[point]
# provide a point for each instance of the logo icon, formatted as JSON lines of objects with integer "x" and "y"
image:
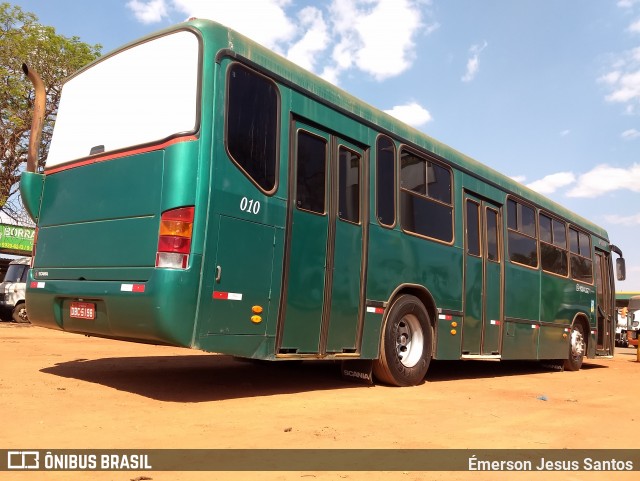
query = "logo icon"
{"x": 23, "y": 460}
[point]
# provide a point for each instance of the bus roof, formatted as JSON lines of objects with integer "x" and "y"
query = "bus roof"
{"x": 238, "y": 45}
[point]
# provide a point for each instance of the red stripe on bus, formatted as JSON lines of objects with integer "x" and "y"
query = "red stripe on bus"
{"x": 220, "y": 295}
{"x": 126, "y": 153}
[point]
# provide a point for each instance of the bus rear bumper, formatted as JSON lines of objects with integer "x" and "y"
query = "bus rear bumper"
{"x": 160, "y": 310}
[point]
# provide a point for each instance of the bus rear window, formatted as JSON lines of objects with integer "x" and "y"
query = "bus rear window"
{"x": 252, "y": 125}
{"x": 143, "y": 94}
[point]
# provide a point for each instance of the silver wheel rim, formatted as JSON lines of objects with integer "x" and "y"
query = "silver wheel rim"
{"x": 22, "y": 314}
{"x": 577, "y": 344}
{"x": 409, "y": 340}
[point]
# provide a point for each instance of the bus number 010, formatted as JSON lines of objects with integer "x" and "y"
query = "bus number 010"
{"x": 250, "y": 205}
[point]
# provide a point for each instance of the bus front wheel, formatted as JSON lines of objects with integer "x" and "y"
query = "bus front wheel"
{"x": 577, "y": 348}
{"x": 407, "y": 343}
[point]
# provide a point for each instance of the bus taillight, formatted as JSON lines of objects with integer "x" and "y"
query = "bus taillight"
{"x": 174, "y": 240}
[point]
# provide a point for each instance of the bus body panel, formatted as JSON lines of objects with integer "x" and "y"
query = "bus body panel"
{"x": 520, "y": 340}
{"x": 243, "y": 243}
{"x": 162, "y": 312}
{"x": 95, "y": 261}
{"x": 345, "y": 296}
{"x": 114, "y": 203}
{"x": 239, "y": 301}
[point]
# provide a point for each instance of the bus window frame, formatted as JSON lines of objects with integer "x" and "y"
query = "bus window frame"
{"x": 499, "y": 246}
{"x": 553, "y": 244}
{"x": 395, "y": 182}
{"x": 478, "y": 206}
{"x": 571, "y": 253}
{"x": 327, "y": 156}
{"x": 277, "y": 154}
{"x": 518, "y": 200}
{"x": 360, "y": 183}
{"x": 427, "y": 157}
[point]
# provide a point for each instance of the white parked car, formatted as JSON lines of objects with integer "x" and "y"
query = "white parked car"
{"x": 13, "y": 288}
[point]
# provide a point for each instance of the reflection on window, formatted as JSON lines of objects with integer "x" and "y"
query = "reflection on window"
{"x": 252, "y": 124}
{"x": 16, "y": 273}
{"x": 553, "y": 259}
{"x": 473, "y": 228}
{"x": 546, "y": 233}
{"x": 385, "y": 178}
{"x": 553, "y": 245}
{"x": 348, "y": 185}
{"x": 521, "y": 217}
{"x": 311, "y": 164}
{"x": 426, "y": 207}
{"x": 493, "y": 254}
{"x": 522, "y": 249}
{"x": 559, "y": 234}
{"x": 581, "y": 264}
{"x": 523, "y": 243}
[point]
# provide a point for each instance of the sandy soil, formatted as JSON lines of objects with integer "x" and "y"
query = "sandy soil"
{"x": 66, "y": 391}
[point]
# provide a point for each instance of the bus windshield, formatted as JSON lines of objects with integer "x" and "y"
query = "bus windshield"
{"x": 142, "y": 94}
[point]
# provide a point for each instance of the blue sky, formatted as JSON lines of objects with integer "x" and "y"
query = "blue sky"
{"x": 545, "y": 91}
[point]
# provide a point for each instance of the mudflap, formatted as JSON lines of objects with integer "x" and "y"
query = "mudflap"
{"x": 359, "y": 371}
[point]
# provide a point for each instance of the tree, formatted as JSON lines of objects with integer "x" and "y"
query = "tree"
{"x": 54, "y": 57}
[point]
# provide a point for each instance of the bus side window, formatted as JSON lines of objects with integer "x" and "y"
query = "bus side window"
{"x": 523, "y": 242}
{"x": 553, "y": 245}
{"x": 252, "y": 125}
{"x": 426, "y": 205}
{"x": 348, "y": 185}
{"x": 311, "y": 165}
{"x": 386, "y": 181}
{"x": 473, "y": 228}
{"x": 581, "y": 264}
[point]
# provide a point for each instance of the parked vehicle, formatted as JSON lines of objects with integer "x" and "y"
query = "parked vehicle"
{"x": 633, "y": 317}
{"x": 12, "y": 289}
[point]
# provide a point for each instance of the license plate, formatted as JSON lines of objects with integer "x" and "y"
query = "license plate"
{"x": 82, "y": 310}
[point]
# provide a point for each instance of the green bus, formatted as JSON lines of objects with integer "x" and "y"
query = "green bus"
{"x": 202, "y": 191}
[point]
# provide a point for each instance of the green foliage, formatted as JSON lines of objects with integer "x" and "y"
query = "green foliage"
{"x": 54, "y": 57}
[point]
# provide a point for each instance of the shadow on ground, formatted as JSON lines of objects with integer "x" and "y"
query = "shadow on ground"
{"x": 203, "y": 378}
{"x": 460, "y": 370}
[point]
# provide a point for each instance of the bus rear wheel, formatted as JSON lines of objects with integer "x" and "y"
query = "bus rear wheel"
{"x": 407, "y": 344}
{"x": 577, "y": 348}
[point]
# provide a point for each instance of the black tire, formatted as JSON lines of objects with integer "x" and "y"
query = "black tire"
{"x": 407, "y": 344}
{"x": 19, "y": 313}
{"x": 577, "y": 348}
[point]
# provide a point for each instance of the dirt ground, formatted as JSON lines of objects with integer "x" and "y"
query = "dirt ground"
{"x": 66, "y": 391}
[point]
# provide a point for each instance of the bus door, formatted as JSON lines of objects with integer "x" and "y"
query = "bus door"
{"x": 605, "y": 304}
{"x": 324, "y": 244}
{"x": 482, "y": 321}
